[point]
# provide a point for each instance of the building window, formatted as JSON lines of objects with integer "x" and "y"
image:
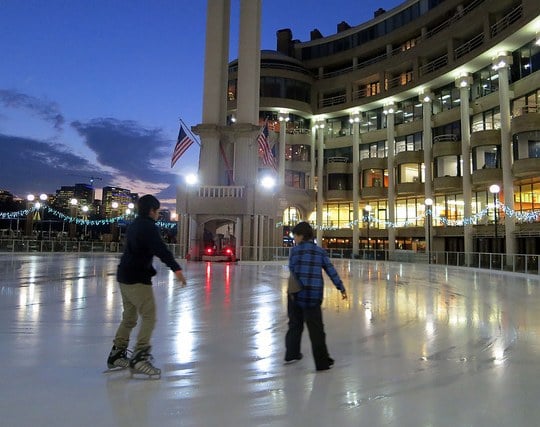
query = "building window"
{"x": 412, "y": 142}
{"x": 291, "y": 216}
{"x": 297, "y": 153}
{"x": 487, "y": 120}
{"x": 486, "y": 157}
{"x": 375, "y": 178}
{"x": 410, "y": 172}
{"x": 340, "y": 181}
{"x": 295, "y": 179}
{"x": 526, "y": 145}
{"x": 447, "y": 166}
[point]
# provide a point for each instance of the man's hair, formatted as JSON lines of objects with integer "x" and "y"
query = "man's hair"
{"x": 303, "y": 229}
{"x": 146, "y": 204}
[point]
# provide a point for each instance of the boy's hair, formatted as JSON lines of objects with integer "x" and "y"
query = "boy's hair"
{"x": 303, "y": 229}
{"x": 146, "y": 204}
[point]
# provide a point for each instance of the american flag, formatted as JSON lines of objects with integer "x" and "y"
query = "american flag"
{"x": 182, "y": 144}
{"x": 264, "y": 147}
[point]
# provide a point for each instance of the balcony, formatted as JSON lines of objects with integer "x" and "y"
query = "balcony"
{"x": 448, "y": 183}
{"x": 409, "y": 157}
{"x": 526, "y": 168}
{"x": 410, "y": 188}
{"x": 338, "y": 165}
{"x": 446, "y": 145}
{"x": 486, "y": 137}
{"x": 374, "y": 163}
{"x": 528, "y": 121}
{"x": 486, "y": 177}
{"x": 374, "y": 193}
{"x": 341, "y": 195}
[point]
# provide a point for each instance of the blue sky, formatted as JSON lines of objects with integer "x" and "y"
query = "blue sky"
{"x": 96, "y": 87}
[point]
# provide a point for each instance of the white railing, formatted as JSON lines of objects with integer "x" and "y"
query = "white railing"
{"x": 334, "y": 100}
{"x": 434, "y": 65}
{"x": 469, "y": 46}
{"x": 507, "y": 20}
{"x": 338, "y": 159}
{"x": 449, "y": 137}
{"x": 217, "y": 191}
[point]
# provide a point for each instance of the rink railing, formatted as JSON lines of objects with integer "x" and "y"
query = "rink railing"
{"x": 527, "y": 264}
{"x": 33, "y": 245}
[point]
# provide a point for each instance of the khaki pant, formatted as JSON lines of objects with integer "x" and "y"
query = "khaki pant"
{"x": 138, "y": 300}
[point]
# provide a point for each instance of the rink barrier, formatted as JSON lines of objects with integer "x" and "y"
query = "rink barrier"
{"x": 520, "y": 263}
{"x": 55, "y": 246}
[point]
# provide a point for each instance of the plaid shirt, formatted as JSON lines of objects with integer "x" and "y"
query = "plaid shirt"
{"x": 307, "y": 260}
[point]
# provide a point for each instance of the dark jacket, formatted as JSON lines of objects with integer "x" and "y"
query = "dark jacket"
{"x": 143, "y": 241}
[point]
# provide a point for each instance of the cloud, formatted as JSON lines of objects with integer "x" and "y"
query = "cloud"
{"x": 137, "y": 153}
{"x": 48, "y": 111}
{"x": 30, "y": 166}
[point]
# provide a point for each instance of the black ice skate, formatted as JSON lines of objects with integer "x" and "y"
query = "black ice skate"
{"x": 118, "y": 359}
{"x": 141, "y": 364}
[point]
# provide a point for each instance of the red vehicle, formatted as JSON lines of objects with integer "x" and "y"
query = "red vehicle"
{"x": 211, "y": 253}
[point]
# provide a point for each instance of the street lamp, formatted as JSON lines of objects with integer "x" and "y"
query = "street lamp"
{"x": 429, "y": 203}
{"x": 73, "y": 213}
{"x": 85, "y": 218}
{"x": 367, "y": 216}
{"x": 29, "y": 217}
{"x": 494, "y": 189}
{"x": 43, "y": 197}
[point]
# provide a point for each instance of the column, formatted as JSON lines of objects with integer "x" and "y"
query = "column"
{"x": 249, "y": 62}
{"x": 389, "y": 110}
{"x": 427, "y": 142}
{"x": 355, "y": 120}
{"x": 247, "y": 117}
{"x": 501, "y": 64}
{"x": 283, "y": 120}
{"x": 216, "y": 62}
{"x": 464, "y": 83}
{"x": 320, "y": 180}
{"x": 215, "y": 89}
{"x": 312, "y": 157}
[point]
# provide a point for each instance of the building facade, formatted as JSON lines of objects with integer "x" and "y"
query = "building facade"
{"x": 417, "y": 130}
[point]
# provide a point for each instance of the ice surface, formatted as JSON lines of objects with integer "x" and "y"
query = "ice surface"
{"x": 415, "y": 345}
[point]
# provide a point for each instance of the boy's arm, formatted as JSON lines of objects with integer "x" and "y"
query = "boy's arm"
{"x": 333, "y": 274}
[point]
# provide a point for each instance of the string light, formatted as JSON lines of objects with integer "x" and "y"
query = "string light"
{"x": 521, "y": 217}
{"x": 78, "y": 221}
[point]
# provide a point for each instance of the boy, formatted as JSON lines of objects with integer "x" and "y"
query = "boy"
{"x": 134, "y": 275}
{"x": 306, "y": 262}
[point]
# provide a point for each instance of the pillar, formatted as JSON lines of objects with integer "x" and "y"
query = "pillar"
{"x": 427, "y": 143}
{"x": 501, "y": 64}
{"x": 320, "y": 180}
{"x": 389, "y": 110}
{"x": 355, "y": 118}
{"x": 464, "y": 83}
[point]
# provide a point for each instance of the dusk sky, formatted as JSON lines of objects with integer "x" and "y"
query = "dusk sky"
{"x": 96, "y": 87}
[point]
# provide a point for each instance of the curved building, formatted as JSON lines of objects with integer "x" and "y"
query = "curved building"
{"x": 418, "y": 130}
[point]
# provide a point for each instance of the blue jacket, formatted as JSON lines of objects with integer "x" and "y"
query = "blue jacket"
{"x": 143, "y": 241}
{"x": 307, "y": 261}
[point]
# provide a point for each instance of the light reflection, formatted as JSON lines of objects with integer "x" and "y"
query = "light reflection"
{"x": 264, "y": 345}
{"x": 208, "y": 283}
{"x": 227, "y": 300}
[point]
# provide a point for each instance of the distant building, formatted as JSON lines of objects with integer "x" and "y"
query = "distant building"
{"x": 119, "y": 195}
{"x": 84, "y": 193}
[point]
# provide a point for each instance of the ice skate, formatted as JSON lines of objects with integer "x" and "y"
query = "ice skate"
{"x": 118, "y": 359}
{"x": 141, "y": 365}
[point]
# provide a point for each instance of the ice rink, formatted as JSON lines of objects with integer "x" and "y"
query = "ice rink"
{"x": 415, "y": 345}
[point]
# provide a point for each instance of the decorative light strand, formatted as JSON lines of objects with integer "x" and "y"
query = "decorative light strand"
{"x": 78, "y": 221}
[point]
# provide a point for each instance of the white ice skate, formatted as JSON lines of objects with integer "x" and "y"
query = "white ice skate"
{"x": 118, "y": 360}
{"x": 141, "y": 366}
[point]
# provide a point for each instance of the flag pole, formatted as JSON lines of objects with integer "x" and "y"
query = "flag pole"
{"x": 189, "y": 130}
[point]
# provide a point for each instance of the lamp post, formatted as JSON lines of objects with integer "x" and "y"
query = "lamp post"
{"x": 190, "y": 180}
{"x": 43, "y": 197}
{"x": 73, "y": 213}
{"x": 429, "y": 203}
{"x": 85, "y": 219}
{"x": 29, "y": 216}
{"x": 114, "y": 224}
{"x": 494, "y": 189}
{"x": 367, "y": 216}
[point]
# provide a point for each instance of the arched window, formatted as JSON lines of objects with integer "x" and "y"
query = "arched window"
{"x": 291, "y": 216}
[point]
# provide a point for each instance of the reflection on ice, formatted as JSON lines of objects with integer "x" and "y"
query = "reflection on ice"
{"x": 415, "y": 345}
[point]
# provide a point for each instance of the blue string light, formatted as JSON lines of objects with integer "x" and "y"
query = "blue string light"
{"x": 78, "y": 221}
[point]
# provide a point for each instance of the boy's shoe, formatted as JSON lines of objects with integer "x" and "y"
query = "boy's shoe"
{"x": 118, "y": 358}
{"x": 141, "y": 363}
{"x": 289, "y": 360}
{"x": 325, "y": 368}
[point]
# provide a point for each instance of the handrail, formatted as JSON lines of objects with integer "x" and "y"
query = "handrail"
{"x": 338, "y": 159}
{"x": 214, "y": 191}
{"x": 507, "y": 20}
{"x": 334, "y": 100}
{"x": 445, "y": 138}
{"x": 469, "y": 46}
{"x": 434, "y": 65}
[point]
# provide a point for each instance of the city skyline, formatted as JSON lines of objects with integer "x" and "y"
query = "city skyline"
{"x": 97, "y": 90}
